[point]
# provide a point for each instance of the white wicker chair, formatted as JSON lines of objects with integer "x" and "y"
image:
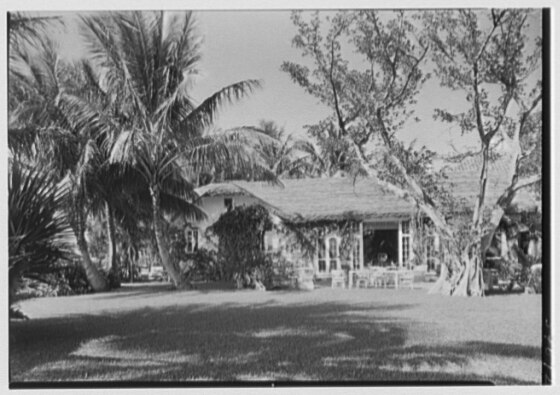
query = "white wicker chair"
{"x": 363, "y": 278}
{"x": 338, "y": 278}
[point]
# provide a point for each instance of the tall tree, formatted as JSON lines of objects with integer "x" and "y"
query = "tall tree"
{"x": 284, "y": 155}
{"x": 147, "y": 60}
{"x": 48, "y": 134}
{"x": 490, "y": 57}
{"x": 371, "y": 104}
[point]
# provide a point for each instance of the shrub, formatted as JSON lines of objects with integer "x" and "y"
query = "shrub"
{"x": 39, "y": 233}
{"x": 65, "y": 279}
{"x": 240, "y": 252}
{"x": 202, "y": 265}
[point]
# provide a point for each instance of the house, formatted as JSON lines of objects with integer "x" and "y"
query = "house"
{"x": 350, "y": 222}
{"x": 519, "y": 232}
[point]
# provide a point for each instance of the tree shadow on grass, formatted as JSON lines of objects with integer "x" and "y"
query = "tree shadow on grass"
{"x": 250, "y": 342}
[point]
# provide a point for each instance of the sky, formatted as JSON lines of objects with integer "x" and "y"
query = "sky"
{"x": 240, "y": 45}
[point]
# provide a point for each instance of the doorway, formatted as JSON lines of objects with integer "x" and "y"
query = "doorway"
{"x": 381, "y": 247}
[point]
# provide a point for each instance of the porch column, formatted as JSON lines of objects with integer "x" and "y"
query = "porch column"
{"x": 361, "y": 238}
{"x": 503, "y": 244}
{"x": 410, "y": 241}
{"x": 400, "y": 244}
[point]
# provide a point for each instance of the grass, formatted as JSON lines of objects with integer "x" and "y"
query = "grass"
{"x": 149, "y": 333}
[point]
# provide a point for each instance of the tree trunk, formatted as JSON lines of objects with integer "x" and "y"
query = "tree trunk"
{"x": 131, "y": 270}
{"x": 111, "y": 245}
{"x": 442, "y": 285}
{"x": 161, "y": 241}
{"x": 469, "y": 279}
{"x": 94, "y": 277}
{"x": 465, "y": 277}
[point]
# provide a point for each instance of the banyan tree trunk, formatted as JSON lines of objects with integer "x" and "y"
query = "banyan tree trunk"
{"x": 465, "y": 277}
{"x": 469, "y": 280}
{"x": 443, "y": 284}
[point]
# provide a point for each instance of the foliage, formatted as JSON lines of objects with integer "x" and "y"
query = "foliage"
{"x": 489, "y": 57}
{"x": 49, "y": 127}
{"x": 38, "y": 231}
{"x": 70, "y": 280}
{"x": 285, "y": 155}
{"x": 241, "y": 232}
{"x": 487, "y": 54}
{"x": 177, "y": 244}
{"x": 203, "y": 265}
{"x": 63, "y": 280}
{"x": 368, "y": 100}
{"x": 147, "y": 60}
{"x": 312, "y": 231}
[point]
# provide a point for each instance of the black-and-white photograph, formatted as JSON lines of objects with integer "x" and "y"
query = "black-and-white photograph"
{"x": 230, "y": 197}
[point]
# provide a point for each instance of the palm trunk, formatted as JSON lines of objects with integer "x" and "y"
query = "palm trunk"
{"x": 131, "y": 271}
{"x": 94, "y": 277}
{"x": 111, "y": 244}
{"x": 161, "y": 241}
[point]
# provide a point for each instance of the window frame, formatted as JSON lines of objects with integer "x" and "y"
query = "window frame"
{"x": 229, "y": 207}
{"x": 406, "y": 253}
{"x": 191, "y": 238}
{"x": 326, "y": 254}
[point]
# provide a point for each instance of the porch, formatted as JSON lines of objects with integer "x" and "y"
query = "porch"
{"x": 382, "y": 244}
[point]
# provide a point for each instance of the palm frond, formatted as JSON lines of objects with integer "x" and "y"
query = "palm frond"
{"x": 204, "y": 114}
{"x": 21, "y": 140}
{"x": 39, "y": 232}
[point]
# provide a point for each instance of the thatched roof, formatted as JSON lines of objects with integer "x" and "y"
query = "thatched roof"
{"x": 463, "y": 178}
{"x": 220, "y": 189}
{"x": 318, "y": 199}
{"x": 333, "y": 199}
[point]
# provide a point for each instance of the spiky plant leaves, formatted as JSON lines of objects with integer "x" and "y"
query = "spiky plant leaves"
{"x": 38, "y": 230}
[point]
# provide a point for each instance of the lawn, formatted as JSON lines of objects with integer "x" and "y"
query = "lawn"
{"x": 149, "y": 333}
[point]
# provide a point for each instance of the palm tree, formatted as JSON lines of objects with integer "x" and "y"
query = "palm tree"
{"x": 287, "y": 156}
{"x": 147, "y": 60}
{"x": 24, "y": 28}
{"x": 46, "y": 132}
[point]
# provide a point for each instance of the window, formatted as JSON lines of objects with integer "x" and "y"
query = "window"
{"x": 270, "y": 241}
{"x": 333, "y": 253}
{"x": 405, "y": 240}
{"x": 321, "y": 255}
{"x": 328, "y": 254}
{"x": 356, "y": 253}
{"x": 192, "y": 240}
{"x": 228, "y": 203}
{"x": 432, "y": 251}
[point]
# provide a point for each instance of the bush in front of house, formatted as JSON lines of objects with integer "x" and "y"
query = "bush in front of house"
{"x": 241, "y": 254}
{"x": 202, "y": 265}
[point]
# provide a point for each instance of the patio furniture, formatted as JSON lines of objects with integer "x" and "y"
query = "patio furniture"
{"x": 352, "y": 278}
{"x": 406, "y": 278}
{"x": 304, "y": 279}
{"x": 377, "y": 278}
{"x": 391, "y": 276}
{"x": 338, "y": 278}
{"x": 363, "y": 278}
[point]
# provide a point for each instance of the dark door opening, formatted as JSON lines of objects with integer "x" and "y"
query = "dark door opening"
{"x": 381, "y": 247}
